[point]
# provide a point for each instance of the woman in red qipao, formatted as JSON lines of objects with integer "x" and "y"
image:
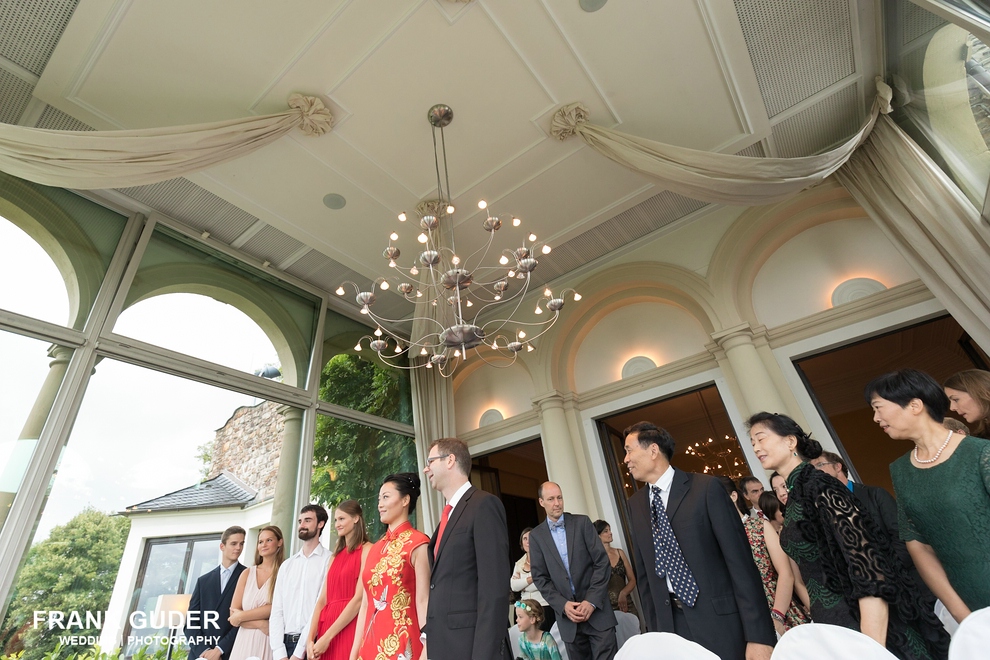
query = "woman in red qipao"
{"x": 331, "y": 631}
{"x": 396, "y": 580}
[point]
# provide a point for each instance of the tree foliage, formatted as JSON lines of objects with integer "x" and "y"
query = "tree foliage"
{"x": 74, "y": 569}
{"x": 350, "y": 459}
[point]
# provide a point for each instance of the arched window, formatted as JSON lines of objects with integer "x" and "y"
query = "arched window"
{"x": 31, "y": 282}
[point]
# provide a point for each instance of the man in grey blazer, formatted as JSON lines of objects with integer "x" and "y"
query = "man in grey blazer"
{"x": 571, "y": 570}
{"x": 469, "y": 559}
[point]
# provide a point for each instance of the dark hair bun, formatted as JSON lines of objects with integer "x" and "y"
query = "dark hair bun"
{"x": 808, "y": 447}
{"x": 407, "y": 483}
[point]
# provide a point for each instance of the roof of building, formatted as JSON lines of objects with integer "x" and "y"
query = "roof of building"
{"x": 222, "y": 490}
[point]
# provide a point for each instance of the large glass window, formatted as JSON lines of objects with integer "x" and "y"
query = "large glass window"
{"x": 173, "y": 263}
{"x": 34, "y": 373}
{"x": 78, "y": 237}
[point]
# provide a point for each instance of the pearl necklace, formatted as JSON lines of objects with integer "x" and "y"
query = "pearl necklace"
{"x": 937, "y": 454}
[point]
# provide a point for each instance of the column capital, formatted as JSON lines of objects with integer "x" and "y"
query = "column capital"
{"x": 553, "y": 399}
{"x": 289, "y": 412}
{"x": 59, "y": 354}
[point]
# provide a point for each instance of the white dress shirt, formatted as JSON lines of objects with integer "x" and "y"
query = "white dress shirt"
{"x": 663, "y": 483}
{"x": 456, "y": 497}
{"x": 300, "y": 579}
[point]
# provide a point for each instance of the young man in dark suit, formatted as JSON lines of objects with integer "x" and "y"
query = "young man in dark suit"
{"x": 469, "y": 559}
{"x": 694, "y": 566}
{"x": 571, "y": 570}
{"x": 210, "y": 601}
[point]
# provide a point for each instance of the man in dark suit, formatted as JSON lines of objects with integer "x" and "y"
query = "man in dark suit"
{"x": 694, "y": 566}
{"x": 882, "y": 507}
{"x": 469, "y": 558}
{"x": 206, "y": 621}
{"x": 571, "y": 570}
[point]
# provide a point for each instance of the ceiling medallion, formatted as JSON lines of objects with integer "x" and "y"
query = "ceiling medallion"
{"x": 463, "y": 304}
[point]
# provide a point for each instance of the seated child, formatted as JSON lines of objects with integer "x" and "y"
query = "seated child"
{"x": 534, "y": 643}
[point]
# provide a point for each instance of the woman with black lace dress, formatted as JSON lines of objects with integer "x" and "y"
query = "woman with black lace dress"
{"x": 853, "y": 576}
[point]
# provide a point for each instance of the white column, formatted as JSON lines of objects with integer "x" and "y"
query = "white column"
{"x": 284, "y": 501}
{"x": 561, "y": 451}
{"x": 749, "y": 371}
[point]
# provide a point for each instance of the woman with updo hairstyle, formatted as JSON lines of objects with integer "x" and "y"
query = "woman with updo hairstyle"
{"x": 853, "y": 576}
{"x": 396, "y": 579}
{"x": 969, "y": 397}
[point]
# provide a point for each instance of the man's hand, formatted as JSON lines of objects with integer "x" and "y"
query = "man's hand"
{"x": 585, "y": 609}
{"x": 572, "y": 612}
{"x": 211, "y": 654}
{"x": 756, "y": 651}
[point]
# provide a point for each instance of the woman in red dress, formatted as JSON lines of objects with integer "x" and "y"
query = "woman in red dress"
{"x": 331, "y": 632}
{"x": 396, "y": 580}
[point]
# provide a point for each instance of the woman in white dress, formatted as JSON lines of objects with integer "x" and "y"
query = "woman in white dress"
{"x": 522, "y": 581}
{"x": 252, "y": 601}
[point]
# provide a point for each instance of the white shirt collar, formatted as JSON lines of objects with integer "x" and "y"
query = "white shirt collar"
{"x": 318, "y": 552}
{"x": 456, "y": 497}
{"x": 666, "y": 479}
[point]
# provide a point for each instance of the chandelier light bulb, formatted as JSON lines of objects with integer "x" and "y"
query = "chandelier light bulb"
{"x": 391, "y": 264}
{"x": 422, "y": 238}
{"x": 546, "y": 249}
{"x": 455, "y": 260}
{"x": 414, "y": 271}
{"x": 522, "y": 334}
{"x": 457, "y": 353}
{"x": 516, "y": 221}
{"x": 512, "y": 273}
{"x": 538, "y": 310}
{"x": 482, "y": 204}
{"x": 364, "y": 310}
{"x": 429, "y": 365}
{"x": 402, "y": 217}
{"x": 503, "y": 260}
{"x": 419, "y": 294}
{"x": 529, "y": 348}
{"x": 384, "y": 285}
{"x": 357, "y": 347}
{"x": 393, "y": 236}
{"x": 577, "y": 296}
{"x": 470, "y": 304}
{"x": 548, "y": 293}
{"x": 423, "y": 351}
{"x": 498, "y": 297}
{"x": 398, "y": 349}
{"x": 378, "y": 332}
{"x": 532, "y": 237}
{"x": 340, "y": 291}
{"x": 450, "y": 209}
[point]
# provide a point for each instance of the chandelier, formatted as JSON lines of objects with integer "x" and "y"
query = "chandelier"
{"x": 462, "y": 304}
{"x": 719, "y": 457}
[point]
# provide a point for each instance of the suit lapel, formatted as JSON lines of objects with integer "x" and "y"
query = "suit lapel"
{"x": 570, "y": 533}
{"x": 552, "y": 547}
{"x": 678, "y": 489}
{"x": 455, "y": 515}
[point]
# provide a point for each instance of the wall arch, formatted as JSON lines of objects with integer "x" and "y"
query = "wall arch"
{"x": 62, "y": 238}
{"x": 761, "y": 231}
{"x": 603, "y": 293}
{"x": 478, "y": 387}
{"x": 290, "y": 341}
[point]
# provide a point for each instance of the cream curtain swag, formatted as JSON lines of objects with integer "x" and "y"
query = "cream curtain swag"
{"x": 120, "y": 159}
{"x": 715, "y": 177}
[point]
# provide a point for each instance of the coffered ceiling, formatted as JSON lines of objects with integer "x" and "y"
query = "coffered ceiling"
{"x": 761, "y": 77}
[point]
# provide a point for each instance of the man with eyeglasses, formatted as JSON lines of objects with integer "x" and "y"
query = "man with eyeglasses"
{"x": 469, "y": 559}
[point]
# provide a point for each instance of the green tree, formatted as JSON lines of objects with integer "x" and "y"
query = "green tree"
{"x": 350, "y": 459}
{"x": 72, "y": 570}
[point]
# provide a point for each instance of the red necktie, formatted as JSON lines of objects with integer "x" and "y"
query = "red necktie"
{"x": 443, "y": 524}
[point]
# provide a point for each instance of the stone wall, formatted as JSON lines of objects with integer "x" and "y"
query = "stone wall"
{"x": 248, "y": 446}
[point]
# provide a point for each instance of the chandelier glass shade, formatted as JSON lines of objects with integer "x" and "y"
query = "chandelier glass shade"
{"x": 464, "y": 303}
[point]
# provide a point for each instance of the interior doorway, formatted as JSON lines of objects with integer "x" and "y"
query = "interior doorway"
{"x": 514, "y": 475}
{"x": 836, "y": 379}
{"x": 699, "y": 423}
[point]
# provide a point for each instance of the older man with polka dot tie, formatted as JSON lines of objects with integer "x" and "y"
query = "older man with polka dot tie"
{"x": 696, "y": 572}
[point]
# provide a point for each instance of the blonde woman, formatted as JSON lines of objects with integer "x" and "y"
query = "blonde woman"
{"x": 252, "y": 602}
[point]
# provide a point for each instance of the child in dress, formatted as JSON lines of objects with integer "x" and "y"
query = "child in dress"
{"x": 534, "y": 643}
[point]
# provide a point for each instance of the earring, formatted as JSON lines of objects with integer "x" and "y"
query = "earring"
{"x": 795, "y": 454}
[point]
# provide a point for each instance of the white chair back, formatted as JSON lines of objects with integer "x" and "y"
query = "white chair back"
{"x": 662, "y": 646}
{"x": 972, "y": 638}
{"x": 821, "y": 641}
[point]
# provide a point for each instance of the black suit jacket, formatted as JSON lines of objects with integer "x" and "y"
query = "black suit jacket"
{"x": 590, "y": 572}
{"x": 206, "y": 597}
{"x": 469, "y": 585}
{"x": 882, "y": 506}
{"x": 731, "y": 608}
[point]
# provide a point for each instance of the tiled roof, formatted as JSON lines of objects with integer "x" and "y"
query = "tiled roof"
{"x": 222, "y": 490}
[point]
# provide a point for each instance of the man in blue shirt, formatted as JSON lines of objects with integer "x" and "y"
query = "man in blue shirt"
{"x": 571, "y": 570}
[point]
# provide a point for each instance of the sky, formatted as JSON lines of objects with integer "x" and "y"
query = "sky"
{"x": 138, "y": 431}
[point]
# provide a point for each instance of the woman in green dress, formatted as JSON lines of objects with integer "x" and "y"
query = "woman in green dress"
{"x": 845, "y": 559}
{"x": 943, "y": 490}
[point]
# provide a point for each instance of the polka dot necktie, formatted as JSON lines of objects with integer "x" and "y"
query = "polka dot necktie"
{"x": 669, "y": 560}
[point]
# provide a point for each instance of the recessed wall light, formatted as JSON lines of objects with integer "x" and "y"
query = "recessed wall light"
{"x": 637, "y": 365}
{"x": 334, "y": 201}
{"x": 854, "y": 289}
{"x": 592, "y": 5}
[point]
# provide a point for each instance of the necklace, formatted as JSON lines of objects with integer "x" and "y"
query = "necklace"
{"x": 937, "y": 454}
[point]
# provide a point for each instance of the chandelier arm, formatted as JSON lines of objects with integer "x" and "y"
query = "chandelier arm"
{"x": 381, "y": 320}
{"x": 520, "y": 294}
{"x": 494, "y": 364}
{"x": 486, "y": 248}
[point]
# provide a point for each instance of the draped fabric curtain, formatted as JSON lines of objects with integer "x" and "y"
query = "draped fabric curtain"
{"x": 715, "y": 177}
{"x": 119, "y": 159}
{"x": 929, "y": 219}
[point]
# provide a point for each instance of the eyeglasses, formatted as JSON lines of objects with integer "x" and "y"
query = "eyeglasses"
{"x": 819, "y": 466}
{"x": 429, "y": 461}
